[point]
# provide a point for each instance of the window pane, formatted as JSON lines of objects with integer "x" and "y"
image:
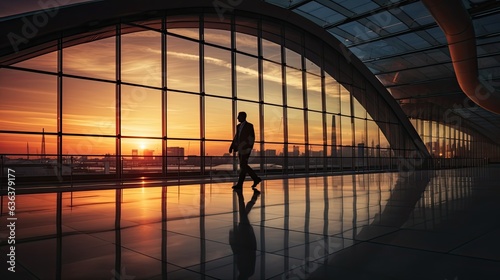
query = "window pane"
{"x": 141, "y": 111}
{"x": 191, "y": 149}
{"x": 185, "y": 25}
{"x": 46, "y": 62}
{"x": 88, "y": 107}
{"x": 360, "y": 131}
{"x": 183, "y": 115}
{"x": 217, "y": 71}
{"x": 316, "y": 151}
{"x": 293, "y": 59}
{"x": 217, "y": 149}
{"x": 246, "y": 43}
{"x": 27, "y": 144}
{"x": 373, "y": 140}
{"x": 314, "y": 93}
{"x": 345, "y": 101}
{"x": 218, "y": 37}
{"x": 295, "y": 126}
{"x": 383, "y": 140}
{"x": 271, "y": 151}
{"x": 272, "y": 83}
{"x": 332, "y": 91}
{"x": 294, "y": 88}
{"x": 140, "y": 147}
{"x": 28, "y": 106}
{"x": 315, "y": 128}
{"x": 312, "y": 68}
{"x": 141, "y": 58}
{"x": 271, "y": 51}
{"x": 89, "y": 145}
{"x": 247, "y": 73}
{"x": 333, "y": 130}
{"x": 94, "y": 59}
{"x": 359, "y": 110}
{"x": 347, "y": 136}
{"x": 296, "y": 151}
{"x": 218, "y": 119}
{"x": 182, "y": 64}
{"x": 252, "y": 110}
{"x": 273, "y": 124}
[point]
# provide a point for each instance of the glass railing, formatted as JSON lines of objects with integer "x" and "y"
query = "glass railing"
{"x": 70, "y": 168}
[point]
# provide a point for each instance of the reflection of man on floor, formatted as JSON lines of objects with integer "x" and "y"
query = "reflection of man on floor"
{"x": 242, "y": 238}
{"x": 243, "y": 143}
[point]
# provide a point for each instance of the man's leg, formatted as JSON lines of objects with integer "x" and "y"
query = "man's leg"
{"x": 243, "y": 168}
{"x": 251, "y": 172}
{"x": 256, "y": 179}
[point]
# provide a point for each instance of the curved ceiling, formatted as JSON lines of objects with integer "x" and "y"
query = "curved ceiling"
{"x": 402, "y": 45}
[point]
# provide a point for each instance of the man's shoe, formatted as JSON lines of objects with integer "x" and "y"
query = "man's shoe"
{"x": 256, "y": 191}
{"x": 237, "y": 187}
{"x": 256, "y": 182}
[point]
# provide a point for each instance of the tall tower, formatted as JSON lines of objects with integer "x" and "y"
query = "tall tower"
{"x": 43, "y": 144}
{"x": 334, "y": 137}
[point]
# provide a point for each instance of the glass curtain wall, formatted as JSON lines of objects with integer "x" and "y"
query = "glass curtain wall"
{"x": 455, "y": 146}
{"x": 160, "y": 98}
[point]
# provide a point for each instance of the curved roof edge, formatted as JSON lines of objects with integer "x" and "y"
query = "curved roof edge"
{"x": 27, "y": 30}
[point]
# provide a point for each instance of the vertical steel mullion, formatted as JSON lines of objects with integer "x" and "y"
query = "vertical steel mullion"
{"x": 202, "y": 93}
{"x": 234, "y": 94}
{"x": 118, "y": 93}
{"x": 59, "y": 105}
{"x": 164, "y": 98}
{"x": 305, "y": 106}
{"x": 285, "y": 106}
{"x": 260, "y": 69}
{"x": 353, "y": 131}
{"x": 323, "y": 109}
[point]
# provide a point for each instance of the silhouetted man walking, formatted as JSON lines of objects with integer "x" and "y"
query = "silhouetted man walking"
{"x": 243, "y": 143}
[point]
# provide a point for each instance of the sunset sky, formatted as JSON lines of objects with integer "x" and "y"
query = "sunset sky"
{"x": 29, "y": 100}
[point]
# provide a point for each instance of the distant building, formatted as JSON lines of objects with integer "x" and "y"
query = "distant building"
{"x": 175, "y": 152}
{"x": 296, "y": 151}
{"x": 148, "y": 154}
{"x": 135, "y": 153}
{"x": 315, "y": 153}
{"x": 270, "y": 153}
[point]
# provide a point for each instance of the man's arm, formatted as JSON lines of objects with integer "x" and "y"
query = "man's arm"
{"x": 234, "y": 146}
{"x": 251, "y": 136}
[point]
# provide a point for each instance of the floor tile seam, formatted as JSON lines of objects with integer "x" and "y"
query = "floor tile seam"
{"x": 182, "y": 218}
{"x": 292, "y": 230}
{"x": 407, "y": 248}
{"x": 291, "y": 267}
{"x": 347, "y": 230}
{"x": 188, "y": 268}
{"x": 140, "y": 253}
{"x": 20, "y": 263}
{"x": 475, "y": 258}
{"x": 316, "y": 259}
{"x": 198, "y": 237}
{"x": 160, "y": 260}
{"x": 468, "y": 242}
{"x": 55, "y": 236}
{"x": 343, "y": 249}
{"x": 355, "y": 242}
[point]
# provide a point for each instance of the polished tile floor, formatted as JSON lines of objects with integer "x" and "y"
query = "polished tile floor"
{"x": 423, "y": 225}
